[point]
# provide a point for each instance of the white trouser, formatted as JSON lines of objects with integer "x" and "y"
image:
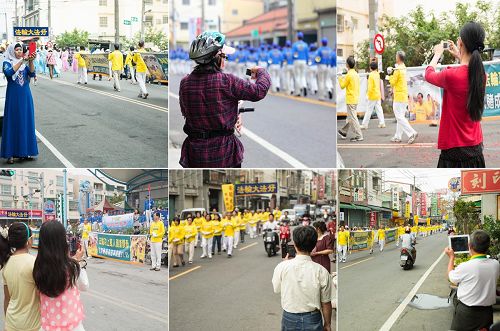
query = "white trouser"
{"x": 236, "y": 238}
{"x": 141, "y": 79}
{"x": 132, "y": 74}
{"x": 288, "y": 83}
{"x": 148, "y": 217}
{"x": 206, "y": 244}
{"x": 156, "y": 255}
{"x": 190, "y": 250}
{"x": 381, "y": 242}
{"x": 403, "y": 126}
{"x": 323, "y": 80}
{"x": 377, "y": 105}
{"x": 86, "y": 247}
{"x": 78, "y": 328}
{"x": 82, "y": 75}
{"x": 311, "y": 78}
{"x": 116, "y": 79}
{"x": 274, "y": 71}
{"x": 263, "y": 64}
{"x": 299, "y": 72}
{"x": 253, "y": 230}
{"x": 342, "y": 251}
{"x": 229, "y": 243}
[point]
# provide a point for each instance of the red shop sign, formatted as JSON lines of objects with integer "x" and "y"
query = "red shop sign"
{"x": 480, "y": 181}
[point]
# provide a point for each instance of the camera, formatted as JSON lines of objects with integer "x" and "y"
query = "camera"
{"x": 446, "y": 45}
{"x": 249, "y": 72}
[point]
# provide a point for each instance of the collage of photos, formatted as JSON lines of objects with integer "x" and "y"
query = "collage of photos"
{"x": 250, "y": 165}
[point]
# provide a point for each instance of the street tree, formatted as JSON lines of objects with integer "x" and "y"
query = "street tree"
{"x": 116, "y": 198}
{"x": 467, "y": 216}
{"x": 73, "y": 38}
{"x": 158, "y": 38}
{"x": 492, "y": 226}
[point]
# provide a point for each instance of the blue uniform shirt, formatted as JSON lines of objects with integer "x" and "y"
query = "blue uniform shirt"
{"x": 324, "y": 53}
{"x": 300, "y": 50}
{"x": 149, "y": 204}
{"x": 263, "y": 56}
{"x": 253, "y": 57}
{"x": 275, "y": 56}
{"x": 288, "y": 55}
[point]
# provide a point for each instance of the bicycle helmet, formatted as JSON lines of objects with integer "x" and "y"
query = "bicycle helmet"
{"x": 207, "y": 45}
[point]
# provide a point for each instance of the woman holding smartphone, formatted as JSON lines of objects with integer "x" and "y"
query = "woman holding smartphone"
{"x": 460, "y": 135}
{"x": 18, "y": 133}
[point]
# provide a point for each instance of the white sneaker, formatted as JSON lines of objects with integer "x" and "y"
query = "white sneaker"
{"x": 412, "y": 138}
{"x": 395, "y": 140}
{"x": 381, "y": 125}
{"x": 203, "y": 257}
{"x": 364, "y": 127}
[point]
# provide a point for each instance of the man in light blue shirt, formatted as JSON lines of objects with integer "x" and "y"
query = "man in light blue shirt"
{"x": 275, "y": 60}
{"x": 300, "y": 51}
{"x": 323, "y": 58}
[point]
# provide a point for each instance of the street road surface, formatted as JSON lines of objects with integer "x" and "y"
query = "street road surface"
{"x": 123, "y": 297}
{"x": 284, "y": 131}
{"x": 227, "y": 294}
{"x": 377, "y": 151}
{"x": 93, "y": 126}
{"x": 371, "y": 287}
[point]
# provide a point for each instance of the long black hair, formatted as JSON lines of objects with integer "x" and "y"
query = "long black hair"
{"x": 54, "y": 269}
{"x": 18, "y": 235}
{"x": 472, "y": 35}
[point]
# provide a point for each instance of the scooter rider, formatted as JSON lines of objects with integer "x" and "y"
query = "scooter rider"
{"x": 209, "y": 98}
{"x": 273, "y": 226}
{"x": 407, "y": 240}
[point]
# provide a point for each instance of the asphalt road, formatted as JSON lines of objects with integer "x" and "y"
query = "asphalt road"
{"x": 377, "y": 151}
{"x": 284, "y": 131}
{"x": 371, "y": 287}
{"x": 123, "y": 297}
{"x": 94, "y": 126}
{"x": 227, "y": 294}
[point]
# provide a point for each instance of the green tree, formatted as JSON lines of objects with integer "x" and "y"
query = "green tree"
{"x": 73, "y": 38}
{"x": 158, "y": 38}
{"x": 467, "y": 216}
{"x": 492, "y": 226}
{"x": 116, "y": 199}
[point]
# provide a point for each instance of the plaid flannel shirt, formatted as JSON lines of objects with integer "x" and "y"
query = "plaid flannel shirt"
{"x": 209, "y": 102}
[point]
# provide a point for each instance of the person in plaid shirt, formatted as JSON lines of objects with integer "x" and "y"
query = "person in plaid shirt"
{"x": 209, "y": 102}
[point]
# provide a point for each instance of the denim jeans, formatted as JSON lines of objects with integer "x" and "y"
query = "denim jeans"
{"x": 312, "y": 321}
{"x": 217, "y": 239}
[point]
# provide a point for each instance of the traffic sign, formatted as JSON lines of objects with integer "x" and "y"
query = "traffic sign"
{"x": 134, "y": 19}
{"x": 127, "y": 22}
{"x": 379, "y": 43}
{"x": 254, "y": 33}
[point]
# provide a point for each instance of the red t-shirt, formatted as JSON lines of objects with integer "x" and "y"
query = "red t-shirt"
{"x": 456, "y": 127}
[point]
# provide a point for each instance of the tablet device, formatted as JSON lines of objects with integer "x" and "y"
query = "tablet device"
{"x": 459, "y": 244}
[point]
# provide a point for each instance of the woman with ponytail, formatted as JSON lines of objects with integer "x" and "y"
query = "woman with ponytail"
{"x": 21, "y": 300}
{"x": 460, "y": 135}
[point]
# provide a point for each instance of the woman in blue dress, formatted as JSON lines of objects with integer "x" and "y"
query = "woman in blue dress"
{"x": 18, "y": 135}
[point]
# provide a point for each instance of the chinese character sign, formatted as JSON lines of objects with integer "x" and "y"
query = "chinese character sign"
{"x": 258, "y": 188}
{"x": 20, "y": 213}
{"x": 423, "y": 204}
{"x": 228, "y": 193}
{"x": 373, "y": 219}
{"x": 31, "y": 31}
{"x": 407, "y": 209}
{"x": 395, "y": 199}
{"x": 480, "y": 181}
{"x": 118, "y": 247}
{"x": 492, "y": 97}
{"x": 118, "y": 222}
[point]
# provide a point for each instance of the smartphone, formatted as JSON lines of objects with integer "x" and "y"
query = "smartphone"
{"x": 446, "y": 45}
{"x": 291, "y": 251}
{"x": 249, "y": 72}
{"x": 32, "y": 47}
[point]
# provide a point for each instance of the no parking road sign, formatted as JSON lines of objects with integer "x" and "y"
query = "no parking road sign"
{"x": 379, "y": 43}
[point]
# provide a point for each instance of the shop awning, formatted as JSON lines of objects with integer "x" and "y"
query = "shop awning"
{"x": 377, "y": 208}
{"x": 353, "y": 206}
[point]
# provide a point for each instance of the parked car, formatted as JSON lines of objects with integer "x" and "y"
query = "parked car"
{"x": 291, "y": 216}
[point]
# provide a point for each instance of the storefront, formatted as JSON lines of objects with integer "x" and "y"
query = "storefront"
{"x": 354, "y": 215}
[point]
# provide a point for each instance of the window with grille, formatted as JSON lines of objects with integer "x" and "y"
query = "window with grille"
{"x": 103, "y": 22}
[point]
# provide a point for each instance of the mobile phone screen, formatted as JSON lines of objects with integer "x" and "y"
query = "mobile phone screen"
{"x": 291, "y": 251}
{"x": 249, "y": 72}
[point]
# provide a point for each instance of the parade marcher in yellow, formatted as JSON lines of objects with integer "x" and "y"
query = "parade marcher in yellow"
{"x": 381, "y": 237}
{"x": 342, "y": 243}
{"x": 229, "y": 225}
{"x": 277, "y": 213}
{"x": 243, "y": 226}
{"x": 400, "y": 232}
{"x": 157, "y": 231}
{"x": 115, "y": 67}
{"x": 190, "y": 234}
{"x": 374, "y": 98}
{"x": 177, "y": 233}
{"x": 87, "y": 228}
{"x": 82, "y": 66}
{"x": 128, "y": 62}
{"x": 351, "y": 84}
{"x": 207, "y": 232}
{"x": 217, "y": 241}
{"x": 141, "y": 70}
{"x": 237, "y": 222}
{"x": 198, "y": 221}
{"x": 397, "y": 79}
{"x": 254, "y": 219}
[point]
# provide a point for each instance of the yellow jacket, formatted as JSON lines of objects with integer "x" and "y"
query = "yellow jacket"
{"x": 343, "y": 238}
{"x": 265, "y": 216}
{"x": 157, "y": 231}
{"x": 277, "y": 214}
{"x": 254, "y": 219}
{"x": 236, "y": 221}
{"x": 80, "y": 59}
{"x": 177, "y": 234}
{"x": 86, "y": 229}
{"x": 198, "y": 221}
{"x": 190, "y": 232}
{"x": 116, "y": 59}
{"x": 207, "y": 230}
{"x": 381, "y": 234}
{"x": 228, "y": 226}
{"x": 398, "y": 83}
{"x": 216, "y": 224}
{"x": 139, "y": 61}
{"x": 373, "y": 91}
{"x": 351, "y": 83}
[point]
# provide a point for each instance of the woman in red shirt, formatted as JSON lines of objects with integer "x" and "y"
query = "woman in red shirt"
{"x": 460, "y": 136}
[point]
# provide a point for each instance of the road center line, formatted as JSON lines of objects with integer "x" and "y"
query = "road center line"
{"x": 267, "y": 145}
{"x": 184, "y": 273}
{"x": 386, "y": 146}
{"x": 353, "y": 264}
{"x": 54, "y": 150}
{"x": 140, "y": 103}
{"x": 399, "y": 310}
{"x": 127, "y": 305}
{"x": 242, "y": 248}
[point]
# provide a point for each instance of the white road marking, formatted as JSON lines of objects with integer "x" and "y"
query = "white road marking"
{"x": 54, "y": 150}
{"x": 353, "y": 264}
{"x": 137, "y": 102}
{"x": 267, "y": 145}
{"x": 399, "y": 310}
{"x": 387, "y": 146}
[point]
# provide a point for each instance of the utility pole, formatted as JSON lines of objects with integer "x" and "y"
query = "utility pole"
{"x": 143, "y": 9}
{"x": 291, "y": 19}
{"x": 42, "y": 187}
{"x": 373, "y": 19}
{"x": 49, "y": 18}
{"x": 172, "y": 24}
{"x": 65, "y": 198}
{"x": 117, "y": 22}
{"x": 15, "y": 14}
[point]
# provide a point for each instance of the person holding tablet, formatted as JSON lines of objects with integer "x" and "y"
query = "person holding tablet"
{"x": 476, "y": 280}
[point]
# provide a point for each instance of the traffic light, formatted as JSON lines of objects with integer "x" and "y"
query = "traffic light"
{"x": 7, "y": 173}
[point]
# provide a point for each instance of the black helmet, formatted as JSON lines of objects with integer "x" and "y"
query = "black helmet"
{"x": 206, "y": 46}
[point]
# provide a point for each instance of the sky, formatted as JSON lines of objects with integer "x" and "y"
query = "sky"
{"x": 439, "y": 6}
{"x": 428, "y": 180}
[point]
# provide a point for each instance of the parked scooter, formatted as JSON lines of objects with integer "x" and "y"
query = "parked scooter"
{"x": 270, "y": 242}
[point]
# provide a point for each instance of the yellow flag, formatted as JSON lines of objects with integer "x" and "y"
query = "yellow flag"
{"x": 228, "y": 193}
